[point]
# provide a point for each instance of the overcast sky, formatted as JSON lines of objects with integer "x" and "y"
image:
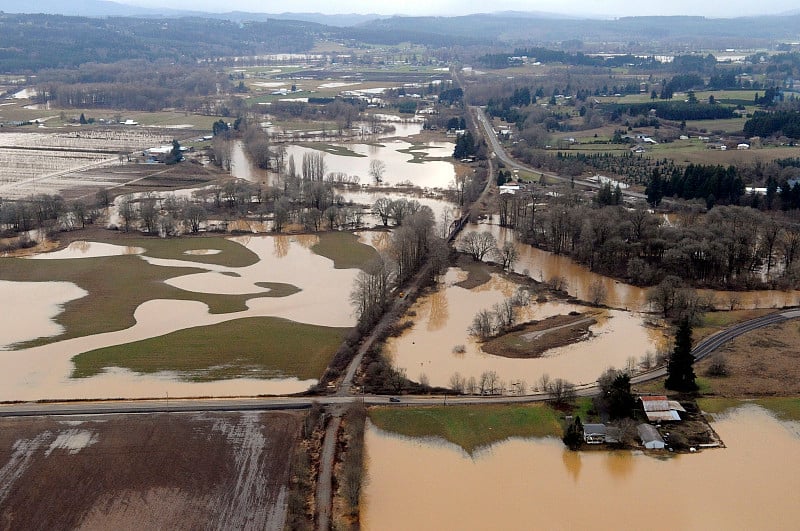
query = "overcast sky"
{"x": 609, "y": 8}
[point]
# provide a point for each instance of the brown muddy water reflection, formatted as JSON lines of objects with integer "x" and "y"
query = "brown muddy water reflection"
{"x": 442, "y": 320}
{"x": 538, "y": 484}
{"x": 44, "y": 372}
{"x": 543, "y": 265}
{"x": 442, "y": 209}
{"x": 242, "y": 167}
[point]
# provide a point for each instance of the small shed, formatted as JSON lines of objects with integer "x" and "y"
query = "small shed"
{"x": 594, "y": 433}
{"x": 650, "y": 437}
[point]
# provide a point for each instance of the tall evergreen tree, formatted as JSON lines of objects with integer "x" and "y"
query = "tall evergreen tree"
{"x": 573, "y": 436}
{"x": 655, "y": 189}
{"x": 680, "y": 373}
{"x": 619, "y": 397}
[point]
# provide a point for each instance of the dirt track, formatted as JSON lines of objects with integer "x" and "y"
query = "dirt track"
{"x": 534, "y": 339}
{"x": 159, "y": 471}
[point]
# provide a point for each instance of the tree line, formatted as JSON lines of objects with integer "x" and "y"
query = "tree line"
{"x": 31, "y": 42}
{"x": 729, "y": 247}
{"x": 714, "y": 184}
{"x": 765, "y": 124}
{"x": 672, "y": 110}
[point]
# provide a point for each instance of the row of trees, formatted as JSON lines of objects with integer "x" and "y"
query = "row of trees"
{"x": 714, "y": 184}
{"x": 414, "y": 244}
{"x": 673, "y": 110}
{"x": 765, "y": 124}
{"x": 480, "y": 245}
{"x": 730, "y": 246}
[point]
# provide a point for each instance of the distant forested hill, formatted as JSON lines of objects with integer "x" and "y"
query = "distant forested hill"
{"x": 32, "y": 42}
{"x": 521, "y": 28}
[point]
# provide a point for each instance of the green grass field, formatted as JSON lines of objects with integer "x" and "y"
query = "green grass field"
{"x": 345, "y": 250}
{"x": 341, "y": 151}
{"x": 470, "y": 427}
{"x": 785, "y": 408}
{"x": 232, "y": 253}
{"x": 265, "y": 347}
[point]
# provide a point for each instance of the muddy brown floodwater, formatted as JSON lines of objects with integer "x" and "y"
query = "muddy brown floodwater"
{"x": 442, "y": 209}
{"x": 33, "y": 305}
{"x": 43, "y": 372}
{"x": 538, "y": 484}
{"x": 84, "y": 249}
{"x": 442, "y": 320}
{"x": 543, "y": 265}
{"x": 399, "y": 168}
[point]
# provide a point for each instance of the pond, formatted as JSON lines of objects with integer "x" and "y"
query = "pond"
{"x": 539, "y": 484}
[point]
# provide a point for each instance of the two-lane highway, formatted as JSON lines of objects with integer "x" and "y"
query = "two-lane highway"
{"x": 509, "y": 162}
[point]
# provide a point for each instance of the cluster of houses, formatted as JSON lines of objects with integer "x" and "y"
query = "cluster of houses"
{"x": 658, "y": 409}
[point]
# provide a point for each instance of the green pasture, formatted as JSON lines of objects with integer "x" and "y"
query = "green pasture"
{"x": 470, "y": 427}
{"x": 345, "y": 250}
{"x": 264, "y": 347}
{"x": 785, "y": 408}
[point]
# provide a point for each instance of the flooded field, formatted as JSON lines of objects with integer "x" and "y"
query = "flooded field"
{"x": 84, "y": 249}
{"x": 543, "y": 265}
{"x": 399, "y": 157}
{"x": 44, "y": 371}
{"x": 442, "y": 320}
{"x": 429, "y": 484}
{"x": 33, "y": 305}
{"x": 442, "y": 208}
{"x": 242, "y": 167}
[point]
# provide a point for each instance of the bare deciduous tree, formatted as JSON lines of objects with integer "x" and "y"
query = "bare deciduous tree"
{"x": 457, "y": 383}
{"x": 561, "y": 391}
{"x": 506, "y": 255}
{"x": 376, "y": 170}
{"x": 478, "y": 244}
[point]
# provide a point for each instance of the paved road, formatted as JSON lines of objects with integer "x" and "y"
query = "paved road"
{"x": 708, "y": 345}
{"x": 506, "y": 159}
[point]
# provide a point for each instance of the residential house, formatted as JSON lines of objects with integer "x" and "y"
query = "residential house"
{"x": 594, "y": 433}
